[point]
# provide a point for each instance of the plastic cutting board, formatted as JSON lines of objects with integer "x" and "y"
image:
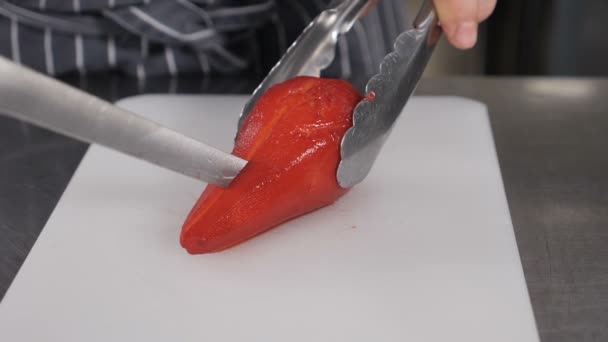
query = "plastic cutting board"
{"x": 423, "y": 250}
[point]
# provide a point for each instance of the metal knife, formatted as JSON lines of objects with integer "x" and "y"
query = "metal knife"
{"x": 43, "y": 101}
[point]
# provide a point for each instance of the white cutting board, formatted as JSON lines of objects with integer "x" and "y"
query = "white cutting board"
{"x": 423, "y": 250}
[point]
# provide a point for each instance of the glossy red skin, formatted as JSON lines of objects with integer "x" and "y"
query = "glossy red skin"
{"x": 292, "y": 142}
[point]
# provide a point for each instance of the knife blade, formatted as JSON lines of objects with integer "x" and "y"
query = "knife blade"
{"x": 43, "y": 101}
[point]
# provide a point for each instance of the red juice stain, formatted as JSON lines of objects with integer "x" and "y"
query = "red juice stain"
{"x": 371, "y": 96}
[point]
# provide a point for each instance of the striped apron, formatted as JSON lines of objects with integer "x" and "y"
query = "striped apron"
{"x": 149, "y": 38}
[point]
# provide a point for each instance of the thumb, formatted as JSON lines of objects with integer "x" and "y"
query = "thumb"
{"x": 459, "y": 20}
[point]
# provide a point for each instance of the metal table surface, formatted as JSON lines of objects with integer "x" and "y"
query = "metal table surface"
{"x": 551, "y": 137}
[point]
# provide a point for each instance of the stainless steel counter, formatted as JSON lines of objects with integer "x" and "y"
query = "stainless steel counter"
{"x": 551, "y": 137}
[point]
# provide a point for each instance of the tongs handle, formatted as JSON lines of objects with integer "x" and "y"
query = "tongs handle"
{"x": 40, "y": 100}
{"x": 426, "y": 19}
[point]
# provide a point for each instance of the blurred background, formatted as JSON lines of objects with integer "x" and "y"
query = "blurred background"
{"x": 540, "y": 37}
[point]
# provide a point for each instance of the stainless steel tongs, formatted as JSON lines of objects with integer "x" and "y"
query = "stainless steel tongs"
{"x": 399, "y": 74}
{"x": 40, "y": 100}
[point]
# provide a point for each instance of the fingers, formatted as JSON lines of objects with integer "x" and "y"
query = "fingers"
{"x": 485, "y": 9}
{"x": 460, "y": 19}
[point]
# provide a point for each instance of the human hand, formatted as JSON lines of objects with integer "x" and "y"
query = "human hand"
{"x": 459, "y": 19}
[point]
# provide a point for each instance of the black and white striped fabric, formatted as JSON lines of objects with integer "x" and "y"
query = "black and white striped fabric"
{"x": 147, "y": 38}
